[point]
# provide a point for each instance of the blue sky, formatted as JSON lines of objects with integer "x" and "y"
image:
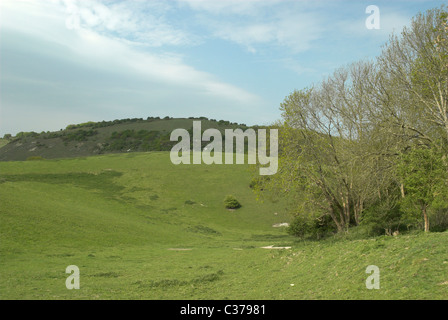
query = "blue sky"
{"x": 68, "y": 61}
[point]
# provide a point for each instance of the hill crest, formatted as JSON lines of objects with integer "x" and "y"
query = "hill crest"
{"x": 94, "y": 138}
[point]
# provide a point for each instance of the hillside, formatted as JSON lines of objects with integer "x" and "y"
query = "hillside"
{"x": 93, "y": 138}
{"x": 139, "y": 227}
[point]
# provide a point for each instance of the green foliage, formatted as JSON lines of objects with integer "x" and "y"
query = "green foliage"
{"x": 344, "y": 154}
{"x": 384, "y": 218}
{"x": 305, "y": 226}
{"x": 23, "y": 135}
{"x": 425, "y": 178}
{"x": 53, "y": 135}
{"x": 141, "y": 140}
{"x": 78, "y": 135}
{"x": 259, "y": 182}
{"x": 424, "y": 175}
{"x": 81, "y": 125}
{"x": 230, "y": 202}
{"x": 103, "y": 124}
{"x": 300, "y": 226}
{"x": 71, "y": 135}
{"x": 438, "y": 220}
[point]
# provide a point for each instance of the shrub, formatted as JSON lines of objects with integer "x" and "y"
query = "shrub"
{"x": 306, "y": 226}
{"x": 439, "y": 220}
{"x": 22, "y": 135}
{"x": 79, "y": 135}
{"x": 300, "y": 226}
{"x": 385, "y": 218}
{"x": 230, "y": 202}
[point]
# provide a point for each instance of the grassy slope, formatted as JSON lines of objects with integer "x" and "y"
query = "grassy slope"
{"x": 117, "y": 216}
{"x": 3, "y": 142}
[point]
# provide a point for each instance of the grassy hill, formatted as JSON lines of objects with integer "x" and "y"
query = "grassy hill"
{"x": 139, "y": 227}
{"x": 93, "y": 138}
{"x": 3, "y": 142}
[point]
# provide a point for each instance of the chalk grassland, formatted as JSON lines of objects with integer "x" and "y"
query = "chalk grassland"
{"x": 139, "y": 227}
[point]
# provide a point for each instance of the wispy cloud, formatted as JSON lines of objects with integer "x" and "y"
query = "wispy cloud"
{"x": 291, "y": 33}
{"x": 141, "y": 22}
{"x": 96, "y": 64}
{"x": 230, "y": 59}
{"x": 256, "y": 23}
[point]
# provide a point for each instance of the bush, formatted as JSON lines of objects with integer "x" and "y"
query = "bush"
{"x": 230, "y": 202}
{"x": 438, "y": 220}
{"x": 305, "y": 226}
{"x": 22, "y": 135}
{"x": 300, "y": 226}
{"x": 79, "y": 135}
{"x": 384, "y": 218}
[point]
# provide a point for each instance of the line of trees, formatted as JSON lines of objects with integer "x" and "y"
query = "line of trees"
{"x": 368, "y": 145}
{"x": 141, "y": 140}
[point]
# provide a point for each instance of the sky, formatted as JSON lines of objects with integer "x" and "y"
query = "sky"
{"x": 66, "y": 61}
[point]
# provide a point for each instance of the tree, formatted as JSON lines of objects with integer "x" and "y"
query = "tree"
{"x": 425, "y": 179}
{"x": 414, "y": 84}
{"x": 343, "y": 141}
{"x": 327, "y": 147}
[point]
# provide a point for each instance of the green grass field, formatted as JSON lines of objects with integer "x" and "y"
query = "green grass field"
{"x": 139, "y": 227}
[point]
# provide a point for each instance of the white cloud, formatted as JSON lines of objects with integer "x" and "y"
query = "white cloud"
{"x": 272, "y": 26}
{"x": 142, "y": 22}
{"x": 293, "y": 34}
{"x": 49, "y": 68}
{"x": 101, "y": 51}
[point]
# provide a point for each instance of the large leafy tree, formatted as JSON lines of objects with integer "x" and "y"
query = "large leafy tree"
{"x": 425, "y": 179}
{"x": 329, "y": 153}
{"x": 350, "y": 142}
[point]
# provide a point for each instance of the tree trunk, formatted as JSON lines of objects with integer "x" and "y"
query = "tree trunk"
{"x": 425, "y": 217}
{"x": 339, "y": 225}
{"x": 359, "y": 205}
